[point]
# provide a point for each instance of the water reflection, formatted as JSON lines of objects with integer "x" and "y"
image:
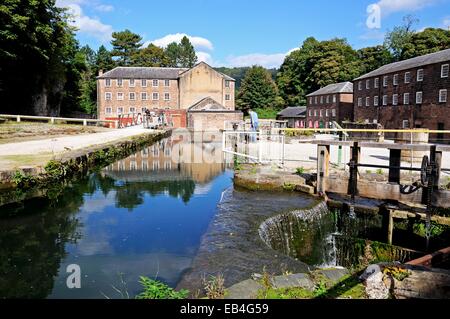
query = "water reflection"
{"x": 143, "y": 215}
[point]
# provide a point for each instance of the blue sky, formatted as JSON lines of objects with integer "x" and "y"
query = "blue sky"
{"x": 246, "y": 32}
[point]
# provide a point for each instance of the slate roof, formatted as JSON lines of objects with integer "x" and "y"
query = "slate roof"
{"x": 143, "y": 73}
{"x": 432, "y": 58}
{"x": 293, "y": 111}
{"x": 343, "y": 87}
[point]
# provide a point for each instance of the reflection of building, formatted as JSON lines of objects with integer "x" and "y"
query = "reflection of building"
{"x": 200, "y": 97}
{"x": 175, "y": 158}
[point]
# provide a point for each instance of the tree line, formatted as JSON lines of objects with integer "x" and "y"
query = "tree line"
{"x": 45, "y": 71}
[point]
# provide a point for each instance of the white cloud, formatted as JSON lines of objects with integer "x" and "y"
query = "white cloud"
{"x": 446, "y": 23}
{"x": 90, "y": 26}
{"x": 392, "y": 6}
{"x": 266, "y": 60}
{"x": 205, "y": 57}
{"x": 199, "y": 43}
{"x": 104, "y": 8}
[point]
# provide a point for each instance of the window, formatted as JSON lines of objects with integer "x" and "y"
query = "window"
{"x": 315, "y": 113}
{"x": 167, "y": 97}
{"x": 315, "y": 100}
{"x": 326, "y": 113}
{"x": 155, "y": 96}
{"x": 321, "y": 113}
{"x": 442, "y": 96}
{"x": 119, "y": 110}
{"x": 310, "y": 100}
{"x": 334, "y": 98}
{"x": 395, "y": 99}
{"x": 144, "y": 83}
{"x": 405, "y": 124}
{"x": 108, "y": 110}
{"x": 333, "y": 112}
{"x": 155, "y": 83}
{"x": 227, "y": 83}
{"x": 132, "y": 109}
{"x": 227, "y": 97}
{"x": 119, "y": 82}
{"x": 132, "y": 83}
{"x": 328, "y": 99}
{"x": 360, "y": 101}
{"x": 132, "y": 96}
{"x": 444, "y": 71}
{"x": 408, "y": 77}
{"x": 108, "y": 96}
{"x": 406, "y": 98}
{"x": 166, "y": 83}
{"x": 367, "y": 84}
{"x": 419, "y": 97}
{"x": 385, "y": 100}
{"x": 385, "y": 81}
{"x": 120, "y": 96}
{"x": 321, "y": 100}
{"x": 367, "y": 101}
{"x": 144, "y": 96}
{"x": 420, "y": 75}
{"x": 359, "y": 85}
{"x": 143, "y": 109}
{"x": 395, "y": 81}
{"x": 376, "y": 83}
{"x": 108, "y": 82}
{"x": 310, "y": 113}
{"x": 375, "y": 101}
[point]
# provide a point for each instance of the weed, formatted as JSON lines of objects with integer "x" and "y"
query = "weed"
{"x": 154, "y": 289}
{"x": 379, "y": 171}
{"x": 215, "y": 287}
{"x": 300, "y": 170}
{"x": 397, "y": 273}
{"x": 289, "y": 187}
{"x": 368, "y": 171}
{"x": 23, "y": 181}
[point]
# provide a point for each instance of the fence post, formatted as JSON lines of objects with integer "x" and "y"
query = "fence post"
{"x": 394, "y": 166}
{"x": 353, "y": 180}
{"x": 18, "y": 119}
{"x": 84, "y": 122}
{"x": 323, "y": 166}
{"x": 259, "y": 146}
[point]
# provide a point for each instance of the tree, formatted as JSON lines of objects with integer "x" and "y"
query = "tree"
{"x": 373, "y": 58}
{"x": 428, "y": 41}
{"x": 38, "y": 57}
{"x": 188, "y": 58}
{"x": 258, "y": 90}
{"x": 397, "y": 39}
{"x": 315, "y": 65}
{"x": 104, "y": 60}
{"x": 151, "y": 56}
{"x": 125, "y": 45}
{"x": 88, "y": 82}
{"x": 173, "y": 54}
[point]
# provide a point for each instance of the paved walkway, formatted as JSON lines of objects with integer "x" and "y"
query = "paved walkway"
{"x": 31, "y": 153}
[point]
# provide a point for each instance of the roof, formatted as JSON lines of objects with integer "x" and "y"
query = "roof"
{"x": 143, "y": 73}
{"x": 343, "y": 87}
{"x": 293, "y": 111}
{"x": 432, "y": 58}
{"x": 204, "y": 63}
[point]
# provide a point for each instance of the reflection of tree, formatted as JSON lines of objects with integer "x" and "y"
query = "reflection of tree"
{"x": 32, "y": 246}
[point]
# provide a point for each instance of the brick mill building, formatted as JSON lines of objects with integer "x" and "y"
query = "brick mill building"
{"x": 407, "y": 94}
{"x": 328, "y": 104}
{"x": 199, "y": 98}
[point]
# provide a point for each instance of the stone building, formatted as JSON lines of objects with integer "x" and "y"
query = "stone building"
{"x": 201, "y": 94}
{"x": 406, "y": 94}
{"x": 333, "y": 103}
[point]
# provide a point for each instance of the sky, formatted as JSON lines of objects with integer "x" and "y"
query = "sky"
{"x": 235, "y": 33}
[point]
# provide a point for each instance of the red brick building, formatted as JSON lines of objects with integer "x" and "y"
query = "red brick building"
{"x": 333, "y": 103}
{"x": 406, "y": 94}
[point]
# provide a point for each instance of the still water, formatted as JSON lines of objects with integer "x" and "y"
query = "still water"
{"x": 141, "y": 216}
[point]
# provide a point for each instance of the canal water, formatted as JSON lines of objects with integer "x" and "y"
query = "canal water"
{"x": 141, "y": 216}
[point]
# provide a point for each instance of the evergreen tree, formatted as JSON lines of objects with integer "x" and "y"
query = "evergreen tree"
{"x": 125, "y": 45}
{"x": 151, "y": 56}
{"x": 104, "y": 60}
{"x": 187, "y": 58}
{"x": 172, "y": 53}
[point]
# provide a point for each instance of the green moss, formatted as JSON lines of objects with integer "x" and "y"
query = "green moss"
{"x": 289, "y": 187}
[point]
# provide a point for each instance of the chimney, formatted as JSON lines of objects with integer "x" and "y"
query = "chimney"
{"x": 100, "y": 72}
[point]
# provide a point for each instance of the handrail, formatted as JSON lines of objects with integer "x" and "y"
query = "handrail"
{"x": 367, "y": 130}
{"x": 52, "y": 119}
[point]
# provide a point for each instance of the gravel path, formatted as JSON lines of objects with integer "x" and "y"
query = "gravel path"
{"x": 68, "y": 143}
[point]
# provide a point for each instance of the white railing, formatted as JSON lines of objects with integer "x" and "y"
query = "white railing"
{"x": 53, "y": 119}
